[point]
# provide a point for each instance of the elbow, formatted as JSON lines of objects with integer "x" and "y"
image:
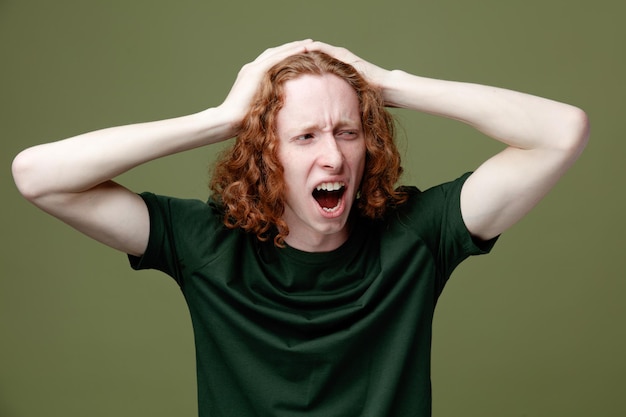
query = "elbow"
{"x": 576, "y": 135}
{"x": 24, "y": 176}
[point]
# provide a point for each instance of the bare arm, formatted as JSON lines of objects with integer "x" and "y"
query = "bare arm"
{"x": 544, "y": 139}
{"x": 72, "y": 178}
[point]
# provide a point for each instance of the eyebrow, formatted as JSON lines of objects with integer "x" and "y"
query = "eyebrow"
{"x": 342, "y": 124}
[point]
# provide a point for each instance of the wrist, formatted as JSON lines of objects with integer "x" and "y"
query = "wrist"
{"x": 217, "y": 124}
{"x": 392, "y": 86}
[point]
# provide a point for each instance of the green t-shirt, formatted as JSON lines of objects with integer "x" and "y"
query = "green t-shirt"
{"x": 281, "y": 332}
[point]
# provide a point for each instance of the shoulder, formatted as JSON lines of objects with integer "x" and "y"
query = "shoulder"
{"x": 434, "y": 202}
{"x": 185, "y": 221}
{"x": 185, "y": 233}
{"x": 432, "y": 216}
{"x": 181, "y": 209}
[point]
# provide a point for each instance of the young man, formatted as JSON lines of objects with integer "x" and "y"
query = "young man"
{"x": 311, "y": 281}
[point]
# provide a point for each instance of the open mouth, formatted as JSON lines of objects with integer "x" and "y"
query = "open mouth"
{"x": 328, "y": 195}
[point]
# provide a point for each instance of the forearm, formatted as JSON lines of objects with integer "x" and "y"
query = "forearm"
{"x": 517, "y": 119}
{"x": 84, "y": 161}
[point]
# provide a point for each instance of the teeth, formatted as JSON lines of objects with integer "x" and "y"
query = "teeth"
{"x": 330, "y": 186}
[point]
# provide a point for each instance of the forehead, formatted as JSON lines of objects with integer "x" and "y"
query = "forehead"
{"x": 323, "y": 100}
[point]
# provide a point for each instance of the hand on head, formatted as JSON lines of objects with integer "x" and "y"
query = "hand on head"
{"x": 374, "y": 74}
{"x": 249, "y": 78}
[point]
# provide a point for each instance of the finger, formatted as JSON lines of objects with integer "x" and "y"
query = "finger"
{"x": 340, "y": 53}
{"x": 279, "y": 52}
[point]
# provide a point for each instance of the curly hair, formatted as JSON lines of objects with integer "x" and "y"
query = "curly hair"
{"x": 248, "y": 178}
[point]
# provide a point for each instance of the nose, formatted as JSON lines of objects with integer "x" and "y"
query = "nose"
{"x": 331, "y": 156}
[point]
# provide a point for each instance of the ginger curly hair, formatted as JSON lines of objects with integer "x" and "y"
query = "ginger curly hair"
{"x": 248, "y": 178}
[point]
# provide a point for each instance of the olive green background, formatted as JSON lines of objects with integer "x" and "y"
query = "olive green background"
{"x": 537, "y": 328}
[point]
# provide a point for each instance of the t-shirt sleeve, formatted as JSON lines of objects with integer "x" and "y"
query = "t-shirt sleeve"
{"x": 456, "y": 242}
{"x": 455, "y": 227}
{"x": 437, "y": 219}
{"x": 159, "y": 244}
{"x": 179, "y": 230}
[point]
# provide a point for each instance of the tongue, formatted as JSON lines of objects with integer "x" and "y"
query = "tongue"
{"x": 328, "y": 199}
